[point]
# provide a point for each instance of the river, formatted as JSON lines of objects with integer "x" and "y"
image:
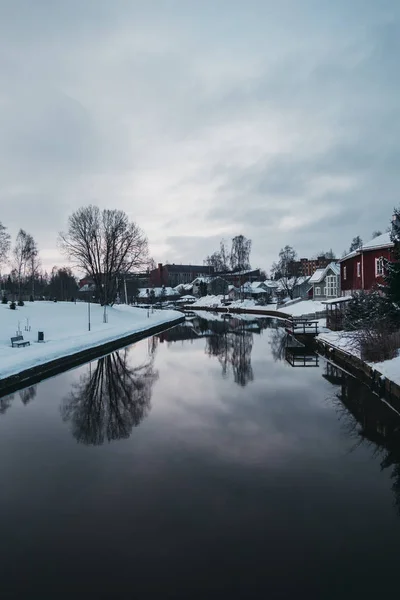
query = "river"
{"x": 200, "y": 464}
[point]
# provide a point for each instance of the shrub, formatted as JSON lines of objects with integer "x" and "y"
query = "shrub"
{"x": 13, "y": 305}
{"x": 4, "y": 300}
{"x": 21, "y": 303}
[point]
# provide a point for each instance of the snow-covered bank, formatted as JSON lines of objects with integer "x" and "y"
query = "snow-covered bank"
{"x": 65, "y": 328}
{"x": 390, "y": 369}
{"x": 304, "y": 307}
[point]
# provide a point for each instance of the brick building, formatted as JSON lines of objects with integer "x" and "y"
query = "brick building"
{"x": 173, "y": 275}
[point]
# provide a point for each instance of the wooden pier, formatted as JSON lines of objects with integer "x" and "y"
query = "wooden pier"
{"x": 302, "y": 326}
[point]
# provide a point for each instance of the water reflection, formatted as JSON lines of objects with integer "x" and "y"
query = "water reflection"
{"x": 110, "y": 399}
{"x": 25, "y": 395}
{"x": 368, "y": 421}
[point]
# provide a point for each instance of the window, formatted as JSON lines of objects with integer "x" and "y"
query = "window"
{"x": 344, "y": 273}
{"x": 358, "y": 269}
{"x": 331, "y": 286}
{"x": 317, "y": 291}
{"x": 379, "y": 266}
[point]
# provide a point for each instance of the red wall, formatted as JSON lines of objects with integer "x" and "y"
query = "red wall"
{"x": 352, "y": 282}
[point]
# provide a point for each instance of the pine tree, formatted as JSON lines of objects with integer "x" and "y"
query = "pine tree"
{"x": 392, "y": 278}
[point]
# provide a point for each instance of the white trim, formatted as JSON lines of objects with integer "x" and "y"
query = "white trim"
{"x": 359, "y": 269}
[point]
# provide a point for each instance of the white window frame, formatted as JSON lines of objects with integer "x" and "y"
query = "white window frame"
{"x": 331, "y": 286}
{"x": 379, "y": 267}
{"x": 318, "y": 291}
{"x": 358, "y": 269}
{"x": 345, "y": 273}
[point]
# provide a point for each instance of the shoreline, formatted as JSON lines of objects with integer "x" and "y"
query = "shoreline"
{"x": 53, "y": 367}
{"x": 377, "y": 381}
{"x": 366, "y": 373}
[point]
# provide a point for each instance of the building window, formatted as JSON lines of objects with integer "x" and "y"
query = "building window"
{"x": 379, "y": 266}
{"x": 358, "y": 269}
{"x": 331, "y": 286}
{"x": 317, "y": 291}
{"x": 344, "y": 273}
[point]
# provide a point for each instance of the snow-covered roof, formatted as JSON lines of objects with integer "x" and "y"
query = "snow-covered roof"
{"x": 337, "y": 300}
{"x": 320, "y": 274}
{"x": 317, "y": 276}
{"x": 381, "y": 241}
{"x": 270, "y": 283}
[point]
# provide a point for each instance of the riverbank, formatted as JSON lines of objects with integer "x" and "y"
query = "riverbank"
{"x": 383, "y": 378}
{"x": 67, "y": 340}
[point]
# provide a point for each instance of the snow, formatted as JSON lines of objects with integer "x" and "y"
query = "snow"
{"x": 305, "y": 307}
{"x": 378, "y": 242}
{"x": 381, "y": 241}
{"x": 65, "y": 327}
{"x": 389, "y": 369}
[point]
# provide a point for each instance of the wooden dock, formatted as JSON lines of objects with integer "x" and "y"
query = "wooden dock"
{"x": 302, "y": 326}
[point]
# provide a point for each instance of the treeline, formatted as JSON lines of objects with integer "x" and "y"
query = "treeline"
{"x": 102, "y": 244}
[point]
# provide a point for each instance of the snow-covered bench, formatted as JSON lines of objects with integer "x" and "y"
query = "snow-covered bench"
{"x": 18, "y": 341}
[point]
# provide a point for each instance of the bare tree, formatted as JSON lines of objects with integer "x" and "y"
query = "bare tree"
{"x": 5, "y": 243}
{"x": 286, "y": 270}
{"x": 240, "y": 253}
{"x": 219, "y": 259}
{"x": 106, "y": 246}
{"x": 22, "y": 256}
{"x": 33, "y": 262}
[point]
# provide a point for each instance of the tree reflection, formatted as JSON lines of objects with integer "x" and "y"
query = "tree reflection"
{"x": 369, "y": 422}
{"x": 233, "y": 346}
{"x": 278, "y": 343}
{"x": 26, "y": 395}
{"x": 110, "y": 399}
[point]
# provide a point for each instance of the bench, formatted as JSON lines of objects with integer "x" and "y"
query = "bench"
{"x": 18, "y": 341}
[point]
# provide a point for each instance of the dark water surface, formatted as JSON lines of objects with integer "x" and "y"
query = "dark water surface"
{"x": 199, "y": 464}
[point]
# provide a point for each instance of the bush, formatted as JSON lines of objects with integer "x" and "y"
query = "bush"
{"x": 4, "y": 300}
{"x": 372, "y": 323}
{"x": 21, "y": 303}
{"x": 13, "y": 305}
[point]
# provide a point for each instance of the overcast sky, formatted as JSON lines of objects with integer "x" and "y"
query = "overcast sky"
{"x": 202, "y": 119}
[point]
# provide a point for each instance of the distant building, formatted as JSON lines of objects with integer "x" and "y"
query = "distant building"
{"x": 173, "y": 275}
{"x": 363, "y": 269}
{"x": 307, "y": 266}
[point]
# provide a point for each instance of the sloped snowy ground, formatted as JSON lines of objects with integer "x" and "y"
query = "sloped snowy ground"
{"x": 65, "y": 327}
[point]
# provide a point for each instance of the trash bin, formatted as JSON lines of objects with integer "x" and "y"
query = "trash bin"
{"x": 40, "y": 336}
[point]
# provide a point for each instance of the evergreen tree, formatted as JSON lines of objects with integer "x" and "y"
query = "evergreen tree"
{"x": 392, "y": 279}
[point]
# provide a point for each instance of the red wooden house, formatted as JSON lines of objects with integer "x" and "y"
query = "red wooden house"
{"x": 363, "y": 269}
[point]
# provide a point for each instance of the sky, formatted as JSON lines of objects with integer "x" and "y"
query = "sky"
{"x": 202, "y": 120}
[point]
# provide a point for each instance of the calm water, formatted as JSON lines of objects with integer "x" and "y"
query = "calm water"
{"x": 199, "y": 464}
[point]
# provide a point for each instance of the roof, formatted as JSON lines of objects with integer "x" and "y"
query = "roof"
{"x": 189, "y": 269}
{"x": 320, "y": 274}
{"x": 381, "y": 241}
{"x": 317, "y": 276}
{"x": 337, "y": 300}
{"x": 145, "y": 292}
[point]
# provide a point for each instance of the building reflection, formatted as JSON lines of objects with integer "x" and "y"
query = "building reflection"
{"x": 368, "y": 421}
{"x": 110, "y": 398}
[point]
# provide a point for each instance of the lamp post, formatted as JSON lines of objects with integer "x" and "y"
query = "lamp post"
{"x": 89, "y": 311}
